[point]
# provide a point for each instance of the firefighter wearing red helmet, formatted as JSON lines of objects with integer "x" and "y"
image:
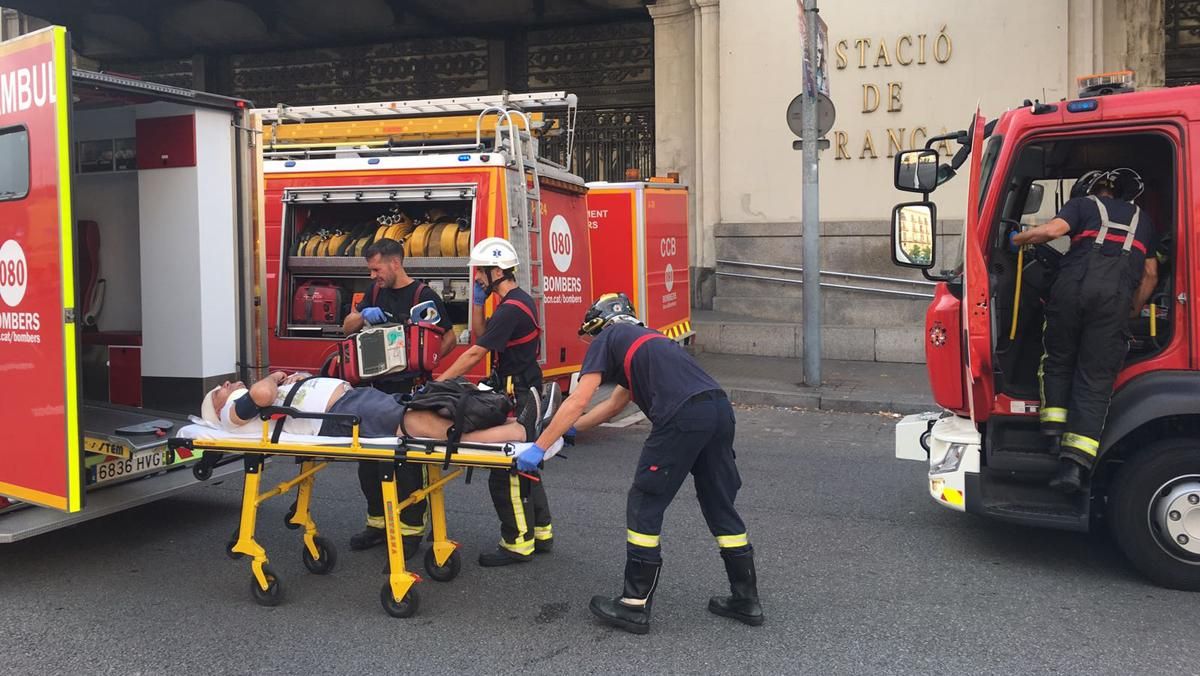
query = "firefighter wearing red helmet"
{"x": 692, "y": 433}
{"x": 511, "y": 335}
{"x": 1105, "y": 277}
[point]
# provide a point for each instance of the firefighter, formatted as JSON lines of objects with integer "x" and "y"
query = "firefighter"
{"x": 693, "y": 431}
{"x": 511, "y": 336}
{"x": 1105, "y": 278}
{"x": 390, "y": 301}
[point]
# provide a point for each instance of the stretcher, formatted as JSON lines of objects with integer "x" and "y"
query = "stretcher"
{"x": 445, "y": 461}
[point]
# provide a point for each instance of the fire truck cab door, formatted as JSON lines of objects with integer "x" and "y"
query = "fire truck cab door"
{"x": 40, "y": 454}
{"x": 976, "y": 306}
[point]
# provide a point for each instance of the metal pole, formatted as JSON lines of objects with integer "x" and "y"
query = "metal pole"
{"x": 812, "y": 213}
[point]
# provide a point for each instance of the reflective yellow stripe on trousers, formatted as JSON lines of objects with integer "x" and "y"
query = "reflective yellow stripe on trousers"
{"x": 543, "y": 532}
{"x": 524, "y": 543}
{"x": 1081, "y": 443}
{"x": 641, "y": 539}
{"x": 1053, "y": 414}
{"x": 731, "y": 541}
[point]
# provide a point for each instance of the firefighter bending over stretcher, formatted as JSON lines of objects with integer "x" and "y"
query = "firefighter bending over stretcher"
{"x": 234, "y": 408}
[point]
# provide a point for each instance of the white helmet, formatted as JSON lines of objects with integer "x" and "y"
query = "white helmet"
{"x": 494, "y": 252}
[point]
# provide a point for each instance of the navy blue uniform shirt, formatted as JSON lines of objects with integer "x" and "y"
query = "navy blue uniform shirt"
{"x": 507, "y": 324}
{"x": 664, "y": 375}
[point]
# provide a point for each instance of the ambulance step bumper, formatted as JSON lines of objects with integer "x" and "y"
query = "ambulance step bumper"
{"x": 27, "y": 522}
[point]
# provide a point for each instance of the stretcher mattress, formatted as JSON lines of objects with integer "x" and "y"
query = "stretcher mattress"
{"x": 208, "y": 433}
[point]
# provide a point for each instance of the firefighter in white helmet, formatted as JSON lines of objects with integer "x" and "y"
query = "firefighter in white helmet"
{"x": 511, "y": 335}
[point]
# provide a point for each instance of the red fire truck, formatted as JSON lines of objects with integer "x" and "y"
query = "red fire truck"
{"x": 640, "y": 230}
{"x": 438, "y": 175}
{"x": 984, "y": 326}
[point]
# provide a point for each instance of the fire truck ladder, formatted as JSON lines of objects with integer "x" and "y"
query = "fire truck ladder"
{"x": 514, "y": 138}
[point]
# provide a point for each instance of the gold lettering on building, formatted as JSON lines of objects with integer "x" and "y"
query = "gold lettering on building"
{"x": 863, "y": 45}
{"x": 894, "y": 103}
{"x": 840, "y": 139}
{"x": 895, "y": 141}
{"x": 900, "y": 58}
{"x": 882, "y": 55}
{"x": 870, "y": 98}
{"x": 868, "y": 147}
{"x": 906, "y": 50}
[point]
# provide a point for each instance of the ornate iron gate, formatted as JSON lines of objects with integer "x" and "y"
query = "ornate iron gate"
{"x": 1182, "y": 23}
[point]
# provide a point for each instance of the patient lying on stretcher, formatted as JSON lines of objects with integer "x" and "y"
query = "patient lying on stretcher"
{"x": 234, "y": 408}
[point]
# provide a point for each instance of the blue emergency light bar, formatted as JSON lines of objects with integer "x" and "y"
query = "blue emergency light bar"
{"x": 1083, "y": 106}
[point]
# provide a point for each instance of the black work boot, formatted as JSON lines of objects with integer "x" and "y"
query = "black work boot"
{"x": 543, "y": 546}
{"x": 1069, "y": 477}
{"x": 631, "y": 611}
{"x": 743, "y": 605}
{"x": 368, "y": 538}
{"x": 502, "y": 557}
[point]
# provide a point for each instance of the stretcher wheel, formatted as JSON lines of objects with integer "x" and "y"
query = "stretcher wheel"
{"x": 201, "y": 471}
{"x": 443, "y": 573}
{"x": 326, "y": 551}
{"x": 229, "y": 544}
{"x": 406, "y": 607}
{"x": 287, "y": 518}
{"x": 272, "y": 595}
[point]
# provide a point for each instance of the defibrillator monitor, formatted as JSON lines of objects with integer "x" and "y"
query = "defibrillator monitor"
{"x": 381, "y": 350}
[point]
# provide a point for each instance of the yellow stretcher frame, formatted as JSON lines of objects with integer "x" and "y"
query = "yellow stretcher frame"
{"x": 398, "y": 597}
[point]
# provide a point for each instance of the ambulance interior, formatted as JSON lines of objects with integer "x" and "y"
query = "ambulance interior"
{"x": 324, "y": 274}
{"x": 1036, "y": 187}
{"x": 155, "y": 199}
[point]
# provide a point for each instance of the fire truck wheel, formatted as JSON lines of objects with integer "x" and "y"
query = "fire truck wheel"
{"x": 328, "y": 557}
{"x": 406, "y": 607}
{"x": 1155, "y": 512}
{"x": 272, "y": 595}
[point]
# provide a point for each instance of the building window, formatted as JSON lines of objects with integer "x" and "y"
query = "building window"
{"x": 14, "y": 163}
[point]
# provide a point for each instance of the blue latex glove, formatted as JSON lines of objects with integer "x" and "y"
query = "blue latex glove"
{"x": 530, "y": 458}
{"x": 569, "y": 437}
{"x": 373, "y": 315}
{"x": 1012, "y": 246}
{"x": 479, "y": 295}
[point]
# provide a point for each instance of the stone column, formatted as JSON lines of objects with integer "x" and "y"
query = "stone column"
{"x": 686, "y": 121}
{"x": 708, "y": 145}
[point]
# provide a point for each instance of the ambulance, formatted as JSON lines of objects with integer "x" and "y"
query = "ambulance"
{"x": 127, "y": 279}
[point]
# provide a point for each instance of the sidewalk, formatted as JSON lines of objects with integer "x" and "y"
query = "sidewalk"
{"x": 851, "y": 386}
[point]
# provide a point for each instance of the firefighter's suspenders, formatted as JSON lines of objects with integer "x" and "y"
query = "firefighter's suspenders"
{"x": 532, "y": 335}
{"x": 1102, "y": 235}
{"x": 633, "y": 348}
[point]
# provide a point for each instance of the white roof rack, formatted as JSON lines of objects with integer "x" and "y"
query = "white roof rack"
{"x": 451, "y": 106}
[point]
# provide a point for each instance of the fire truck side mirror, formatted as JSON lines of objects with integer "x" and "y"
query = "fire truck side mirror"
{"x": 916, "y": 170}
{"x": 914, "y": 235}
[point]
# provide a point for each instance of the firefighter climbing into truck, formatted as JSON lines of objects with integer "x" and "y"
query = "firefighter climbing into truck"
{"x": 1030, "y": 347}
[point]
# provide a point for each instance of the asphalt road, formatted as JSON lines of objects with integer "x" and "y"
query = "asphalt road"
{"x": 859, "y": 573}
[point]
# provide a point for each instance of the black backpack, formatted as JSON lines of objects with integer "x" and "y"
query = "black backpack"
{"x": 469, "y": 407}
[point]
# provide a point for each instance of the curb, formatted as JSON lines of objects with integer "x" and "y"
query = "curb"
{"x": 753, "y": 397}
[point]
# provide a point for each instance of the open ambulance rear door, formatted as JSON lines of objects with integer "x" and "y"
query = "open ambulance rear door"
{"x": 40, "y": 455}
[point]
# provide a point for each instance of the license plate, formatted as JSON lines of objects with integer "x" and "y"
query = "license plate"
{"x": 116, "y": 468}
{"x": 106, "y": 447}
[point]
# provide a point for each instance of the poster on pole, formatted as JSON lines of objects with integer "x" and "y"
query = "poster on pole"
{"x": 816, "y": 75}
